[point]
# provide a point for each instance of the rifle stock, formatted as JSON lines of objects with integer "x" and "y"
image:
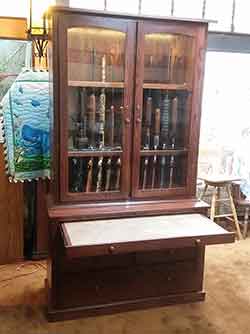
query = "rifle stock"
{"x": 145, "y": 172}
{"x": 89, "y": 177}
{"x": 108, "y": 175}
{"x": 118, "y": 174}
{"x": 99, "y": 175}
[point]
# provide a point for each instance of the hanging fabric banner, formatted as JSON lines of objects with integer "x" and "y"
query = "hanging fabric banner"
{"x": 26, "y": 124}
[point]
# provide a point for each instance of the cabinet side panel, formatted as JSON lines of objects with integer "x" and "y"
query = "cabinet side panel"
{"x": 54, "y": 85}
{"x": 201, "y": 43}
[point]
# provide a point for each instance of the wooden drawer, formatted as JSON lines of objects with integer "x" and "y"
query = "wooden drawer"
{"x": 130, "y": 235}
{"x": 123, "y": 284}
{"x": 127, "y": 260}
{"x": 167, "y": 256}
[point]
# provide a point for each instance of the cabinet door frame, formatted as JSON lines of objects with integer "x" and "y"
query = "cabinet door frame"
{"x": 198, "y": 32}
{"x": 129, "y": 27}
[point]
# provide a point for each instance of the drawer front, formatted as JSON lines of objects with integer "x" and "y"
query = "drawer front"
{"x": 167, "y": 256}
{"x": 128, "y": 260}
{"x": 87, "y": 288}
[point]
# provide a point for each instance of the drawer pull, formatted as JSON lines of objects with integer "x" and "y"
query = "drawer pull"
{"x": 111, "y": 249}
{"x": 169, "y": 278}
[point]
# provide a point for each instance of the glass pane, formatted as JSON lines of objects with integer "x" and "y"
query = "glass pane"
{"x": 156, "y": 7}
{"x": 95, "y": 118}
{"x": 96, "y": 58}
{"x": 166, "y": 92}
{"x": 168, "y": 58}
{"x": 88, "y": 4}
{"x": 241, "y": 21}
{"x": 129, "y": 6}
{"x": 220, "y": 11}
{"x": 95, "y": 54}
{"x": 92, "y": 174}
{"x": 163, "y": 152}
{"x": 190, "y": 9}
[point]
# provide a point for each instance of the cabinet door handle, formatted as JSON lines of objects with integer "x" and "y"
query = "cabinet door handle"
{"x": 137, "y": 112}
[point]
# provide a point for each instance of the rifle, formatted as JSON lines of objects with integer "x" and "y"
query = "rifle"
{"x": 163, "y": 166}
{"x": 111, "y": 115}
{"x": 102, "y": 103}
{"x": 111, "y": 122}
{"x": 77, "y": 174}
{"x": 81, "y": 139}
{"x": 164, "y": 136}
{"x": 108, "y": 174}
{"x": 89, "y": 177}
{"x": 174, "y": 116}
{"x": 92, "y": 106}
{"x": 91, "y": 118}
{"x": 170, "y": 65}
{"x": 99, "y": 175}
{"x": 118, "y": 175}
{"x": 156, "y": 141}
{"x": 148, "y": 118}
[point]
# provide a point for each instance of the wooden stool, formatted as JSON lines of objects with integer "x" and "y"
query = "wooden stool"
{"x": 219, "y": 182}
{"x": 241, "y": 203}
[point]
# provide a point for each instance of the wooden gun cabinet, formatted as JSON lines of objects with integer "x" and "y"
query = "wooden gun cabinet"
{"x": 126, "y": 230}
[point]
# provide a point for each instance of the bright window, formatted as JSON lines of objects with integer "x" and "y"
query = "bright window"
{"x": 128, "y": 6}
{"x": 241, "y": 21}
{"x": 14, "y": 8}
{"x": 156, "y": 7}
{"x": 190, "y": 9}
{"x": 225, "y": 111}
{"x": 220, "y": 11}
{"x": 88, "y": 4}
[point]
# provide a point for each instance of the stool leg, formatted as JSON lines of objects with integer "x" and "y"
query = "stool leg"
{"x": 213, "y": 203}
{"x": 203, "y": 192}
{"x": 245, "y": 222}
{"x": 228, "y": 189}
{"x": 218, "y": 211}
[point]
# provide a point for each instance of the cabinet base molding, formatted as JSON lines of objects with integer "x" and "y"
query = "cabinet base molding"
{"x": 56, "y": 314}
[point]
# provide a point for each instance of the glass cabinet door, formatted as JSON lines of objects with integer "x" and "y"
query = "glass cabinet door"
{"x": 98, "y": 110}
{"x": 164, "y": 93}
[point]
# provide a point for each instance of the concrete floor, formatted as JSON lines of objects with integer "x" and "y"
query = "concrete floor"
{"x": 226, "y": 309}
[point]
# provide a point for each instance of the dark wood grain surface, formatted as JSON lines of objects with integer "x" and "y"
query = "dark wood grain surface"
{"x": 11, "y": 217}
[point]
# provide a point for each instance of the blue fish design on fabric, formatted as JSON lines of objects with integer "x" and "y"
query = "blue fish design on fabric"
{"x": 16, "y": 101}
{"x": 38, "y": 140}
{"x": 35, "y": 103}
{"x": 27, "y": 126}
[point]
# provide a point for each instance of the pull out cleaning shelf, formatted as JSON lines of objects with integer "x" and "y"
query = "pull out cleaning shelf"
{"x": 116, "y": 236}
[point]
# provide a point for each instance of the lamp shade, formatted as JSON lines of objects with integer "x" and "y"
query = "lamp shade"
{"x": 36, "y": 23}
